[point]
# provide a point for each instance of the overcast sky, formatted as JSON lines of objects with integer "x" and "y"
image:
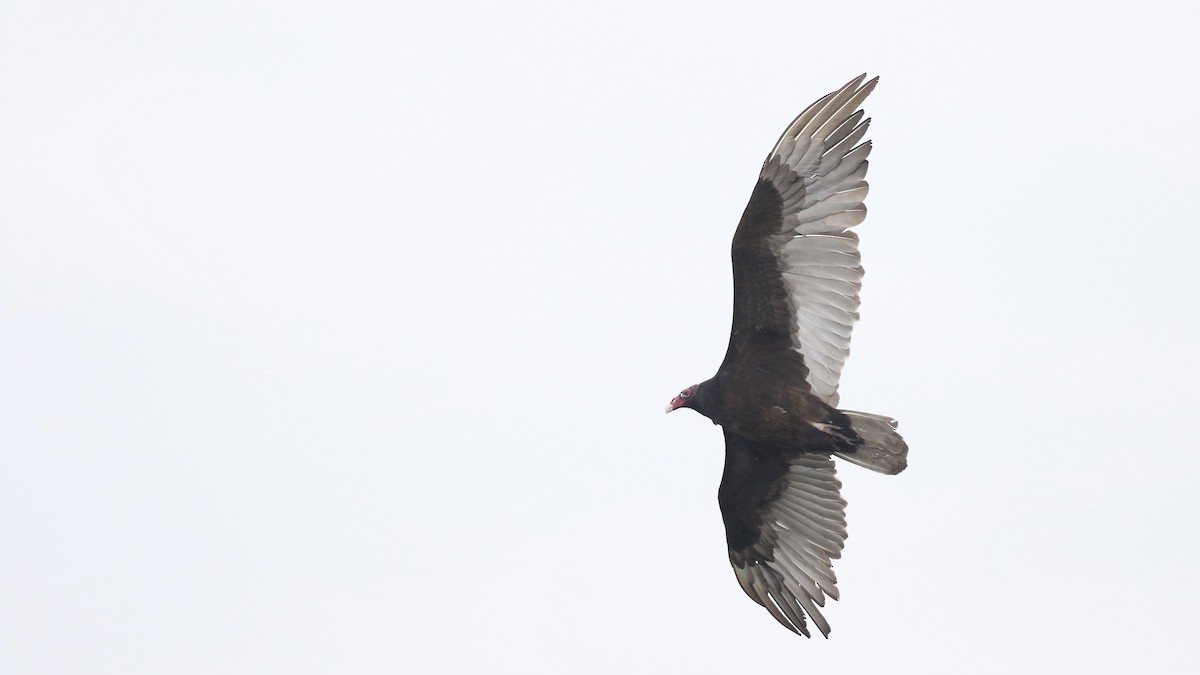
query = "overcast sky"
{"x": 335, "y": 337}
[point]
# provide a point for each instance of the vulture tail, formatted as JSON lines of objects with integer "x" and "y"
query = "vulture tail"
{"x": 882, "y": 448}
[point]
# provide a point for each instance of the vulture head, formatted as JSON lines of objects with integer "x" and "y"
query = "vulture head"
{"x": 684, "y": 399}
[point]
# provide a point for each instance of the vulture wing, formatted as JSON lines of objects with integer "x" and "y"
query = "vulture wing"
{"x": 785, "y": 522}
{"x": 796, "y": 271}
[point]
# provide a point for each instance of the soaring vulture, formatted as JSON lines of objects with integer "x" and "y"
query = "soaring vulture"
{"x": 796, "y": 277}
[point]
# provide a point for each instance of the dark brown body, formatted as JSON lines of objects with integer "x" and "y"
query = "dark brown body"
{"x": 762, "y": 395}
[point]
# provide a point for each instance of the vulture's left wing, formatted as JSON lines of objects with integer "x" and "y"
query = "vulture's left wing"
{"x": 795, "y": 263}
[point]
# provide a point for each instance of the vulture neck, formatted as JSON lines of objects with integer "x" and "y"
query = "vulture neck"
{"x": 704, "y": 401}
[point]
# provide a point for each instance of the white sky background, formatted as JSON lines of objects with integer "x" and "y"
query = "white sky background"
{"x": 336, "y": 336}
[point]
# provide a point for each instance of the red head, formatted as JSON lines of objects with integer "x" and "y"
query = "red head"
{"x": 684, "y": 399}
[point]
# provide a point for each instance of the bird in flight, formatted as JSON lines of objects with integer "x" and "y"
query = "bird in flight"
{"x": 796, "y": 277}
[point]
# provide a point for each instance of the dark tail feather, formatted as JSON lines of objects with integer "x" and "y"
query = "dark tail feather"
{"x": 882, "y": 449}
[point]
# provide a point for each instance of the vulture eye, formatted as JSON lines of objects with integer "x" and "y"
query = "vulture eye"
{"x": 686, "y": 393}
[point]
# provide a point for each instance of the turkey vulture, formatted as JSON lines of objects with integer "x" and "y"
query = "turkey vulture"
{"x": 796, "y": 276}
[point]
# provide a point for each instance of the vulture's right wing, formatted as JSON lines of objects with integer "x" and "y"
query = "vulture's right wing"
{"x": 785, "y": 523}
